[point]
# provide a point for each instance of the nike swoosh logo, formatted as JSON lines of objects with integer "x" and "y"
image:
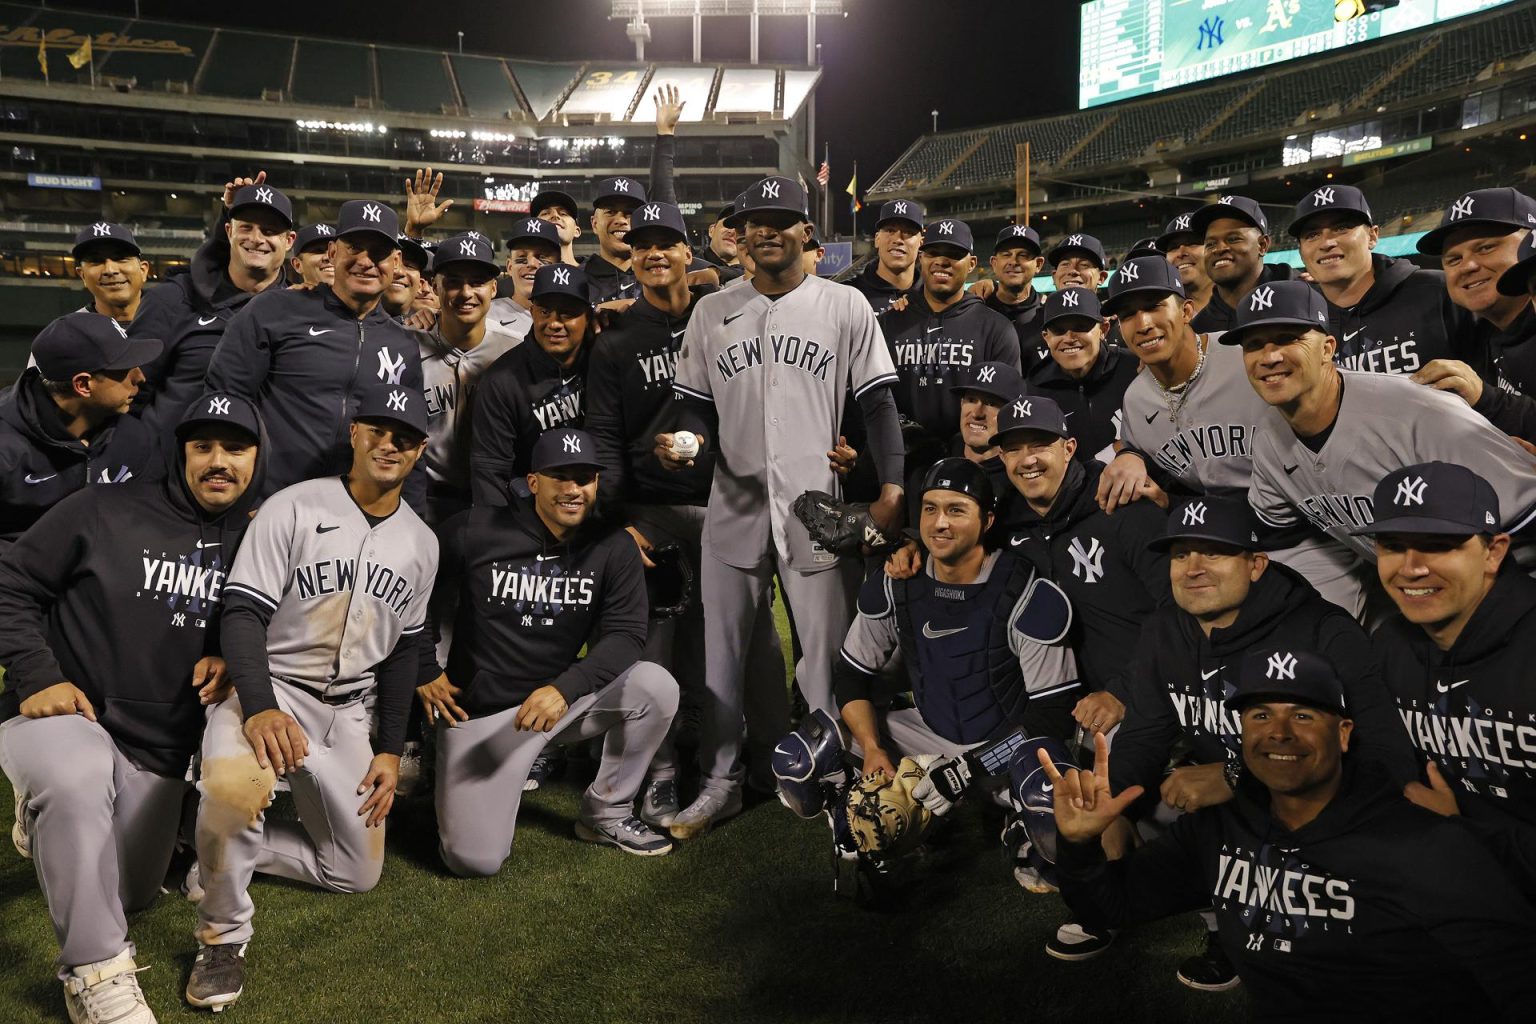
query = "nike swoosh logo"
{"x": 930, "y": 330}
{"x": 315, "y": 334}
{"x": 1016, "y": 541}
{"x": 507, "y": 323}
{"x": 204, "y": 323}
{"x": 29, "y": 478}
{"x": 545, "y": 558}
{"x": 935, "y": 634}
{"x": 201, "y": 544}
{"x": 1290, "y": 469}
{"x": 1152, "y": 417}
{"x": 733, "y": 316}
{"x": 1442, "y": 688}
{"x": 1207, "y": 675}
{"x": 1047, "y": 787}
{"x": 679, "y": 334}
{"x": 325, "y": 529}
{"x": 1351, "y": 334}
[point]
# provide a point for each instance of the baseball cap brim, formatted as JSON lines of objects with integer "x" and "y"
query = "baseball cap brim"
{"x": 1061, "y": 252}
{"x": 439, "y": 265}
{"x": 945, "y": 243}
{"x": 1164, "y": 543}
{"x": 188, "y": 426}
{"x": 1420, "y": 524}
{"x": 981, "y": 389}
{"x": 1204, "y": 217}
{"x": 1167, "y": 243}
{"x": 554, "y": 197}
{"x": 136, "y": 352}
{"x": 654, "y": 229}
{"x": 1003, "y": 435}
{"x": 95, "y": 243}
{"x": 895, "y": 219}
{"x": 1236, "y": 334}
{"x": 234, "y": 211}
{"x": 745, "y": 215}
{"x": 1433, "y": 242}
{"x": 1239, "y": 701}
{"x": 1359, "y": 216}
{"x": 1517, "y": 279}
{"x": 1109, "y": 305}
{"x": 577, "y": 464}
{"x": 1074, "y": 314}
{"x": 372, "y": 232}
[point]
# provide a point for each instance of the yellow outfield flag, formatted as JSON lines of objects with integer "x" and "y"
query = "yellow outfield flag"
{"x": 81, "y": 57}
{"x": 42, "y": 57}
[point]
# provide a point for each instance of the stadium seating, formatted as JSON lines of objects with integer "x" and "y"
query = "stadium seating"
{"x": 485, "y": 85}
{"x": 415, "y": 80}
{"x": 1463, "y": 53}
{"x": 247, "y": 65}
{"x": 1140, "y": 125}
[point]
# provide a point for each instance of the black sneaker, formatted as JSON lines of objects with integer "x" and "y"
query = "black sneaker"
{"x": 539, "y": 773}
{"x": 1210, "y": 971}
{"x": 1073, "y": 942}
{"x": 218, "y": 976}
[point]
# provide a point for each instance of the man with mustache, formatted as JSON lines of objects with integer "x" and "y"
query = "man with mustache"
{"x": 110, "y": 264}
{"x": 1235, "y": 234}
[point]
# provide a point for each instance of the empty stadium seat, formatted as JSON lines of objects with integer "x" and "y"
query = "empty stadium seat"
{"x": 330, "y": 73}
{"x": 485, "y": 85}
{"x": 247, "y": 65}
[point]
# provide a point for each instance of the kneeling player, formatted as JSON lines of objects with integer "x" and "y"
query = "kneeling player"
{"x": 323, "y": 609}
{"x": 534, "y": 586}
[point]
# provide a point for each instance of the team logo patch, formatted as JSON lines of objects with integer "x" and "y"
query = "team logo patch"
{"x": 652, "y": 212}
{"x": 562, "y": 276}
{"x": 898, "y": 207}
{"x": 1181, "y": 222}
{"x": 571, "y": 444}
{"x": 1262, "y": 298}
{"x": 473, "y": 234}
{"x": 986, "y": 374}
{"x": 1281, "y": 665}
{"x": 1410, "y": 492}
{"x": 1226, "y": 200}
{"x": 1020, "y": 231}
{"x": 1073, "y": 240}
{"x": 946, "y": 227}
{"x": 391, "y": 366}
{"x": 1070, "y": 298}
{"x": 372, "y": 212}
{"x": 1462, "y": 207}
{"x": 533, "y": 225}
{"x": 101, "y": 230}
{"x": 1194, "y": 514}
{"x": 1023, "y": 408}
{"x": 396, "y": 401}
{"x": 1322, "y": 197}
{"x": 264, "y": 195}
{"x": 621, "y": 185}
{"x": 466, "y": 248}
{"x": 1130, "y": 272}
{"x": 1087, "y": 563}
{"x": 770, "y": 190}
{"x": 218, "y": 407}
{"x": 324, "y": 229}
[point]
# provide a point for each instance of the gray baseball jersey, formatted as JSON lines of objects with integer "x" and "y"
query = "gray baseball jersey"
{"x": 507, "y": 320}
{"x": 342, "y": 593}
{"x": 777, "y": 371}
{"x": 448, "y": 377}
{"x": 1384, "y": 423}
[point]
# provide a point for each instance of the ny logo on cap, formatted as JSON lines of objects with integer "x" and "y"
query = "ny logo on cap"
{"x": 985, "y": 374}
{"x": 264, "y": 195}
{"x": 473, "y": 234}
{"x": 1281, "y": 666}
{"x": 1181, "y": 222}
{"x": 101, "y": 230}
{"x": 1073, "y": 240}
{"x": 898, "y": 207}
{"x": 467, "y": 248}
{"x": 1070, "y": 298}
{"x": 562, "y": 276}
{"x": 1262, "y": 298}
{"x": 1322, "y": 197}
{"x": 946, "y": 227}
{"x": 1019, "y": 231}
{"x": 652, "y": 212}
{"x": 218, "y": 407}
{"x": 621, "y": 185}
{"x": 323, "y": 229}
{"x": 118, "y": 326}
{"x": 396, "y": 401}
{"x": 1410, "y": 492}
{"x": 1226, "y": 200}
{"x": 1462, "y": 208}
{"x": 1194, "y": 514}
{"x": 1130, "y": 272}
{"x": 770, "y": 190}
{"x": 391, "y": 366}
{"x": 1022, "y": 408}
{"x": 372, "y": 212}
{"x": 572, "y": 443}
{"x": 533, "y": 225}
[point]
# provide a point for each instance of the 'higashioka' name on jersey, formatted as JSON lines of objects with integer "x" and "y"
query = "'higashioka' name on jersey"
{"x": 511, "y": 585}
{"x": 1333, "y": 511}
{"x": 936, "y": 352}
{"x": 557, "y": 409}
{"x": 786, "y": 349}
{"x": 1482, "y": 738}
{"x": 1207, "y": 441}
{"x": 339, "y": 576}
{"x": 183, "y": 579}
{"x": 1282, "y": 890}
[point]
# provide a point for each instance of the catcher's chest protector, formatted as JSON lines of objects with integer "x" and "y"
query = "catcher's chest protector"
{"x": 954, "y": 639}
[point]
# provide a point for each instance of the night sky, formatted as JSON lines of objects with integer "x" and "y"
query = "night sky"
{"x": 887, "y": 64}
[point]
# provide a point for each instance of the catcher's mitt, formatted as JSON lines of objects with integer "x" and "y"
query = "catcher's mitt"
{"x": 883, "y": 815}
{"x": 840, "y": 526}
{"x": 668, "y": 586}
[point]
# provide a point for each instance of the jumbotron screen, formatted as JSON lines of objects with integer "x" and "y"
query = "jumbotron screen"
{"x": 1135, "y": 47}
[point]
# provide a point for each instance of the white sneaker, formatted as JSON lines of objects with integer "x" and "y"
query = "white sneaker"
{"x": 19, "y": 829}
{"x": 192, "y": 885}
{"x": 107, "y": 993}
{"x": 711, "y": 807}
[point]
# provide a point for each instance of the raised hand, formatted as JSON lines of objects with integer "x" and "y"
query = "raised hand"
{"x": 1083, "y": 805}
{"x": 421, "y": 206}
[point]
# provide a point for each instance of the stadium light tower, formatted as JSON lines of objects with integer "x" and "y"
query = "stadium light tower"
{"x": 637, "y": 11}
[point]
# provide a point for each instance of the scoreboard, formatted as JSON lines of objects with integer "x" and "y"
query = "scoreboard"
{"x": 1135, "y": 47}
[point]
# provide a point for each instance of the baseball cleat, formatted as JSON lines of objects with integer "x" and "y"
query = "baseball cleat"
{"x": 659, "y": 806}
{"x": 410, "y": 770}
{"x": 218, "y": 976}
{"x": 630, "y": 835}
{"x": 1073, "y": 942}
{"x": 1210, "y": 971}
{"x": 711, "y": 807}
{"x": 538, "y": 773}
{"x": 192, "y": 885}
{"x": 107, "y": 993}
{"x": 19, "y": 837}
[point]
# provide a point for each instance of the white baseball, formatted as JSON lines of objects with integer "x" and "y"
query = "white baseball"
{"x": 685, "y": 445}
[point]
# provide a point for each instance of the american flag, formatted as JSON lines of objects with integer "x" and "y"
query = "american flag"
{"x": 824, "y": 176}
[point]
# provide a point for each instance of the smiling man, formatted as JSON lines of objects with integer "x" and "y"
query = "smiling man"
{"x": 305, "y": 357}
{"x": 112, "y": 268}
{"x": 1015, "y": 261}
{"x": 1083, "y": 374}
{"x": 1235, "y": 234}
{"x": 892, "y": 274}
{"x": 533, "y": 243}
{"x": 1186, "y": 251}
{"x": 1078, "y": 261}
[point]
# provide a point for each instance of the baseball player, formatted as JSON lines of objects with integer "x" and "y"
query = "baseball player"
{"x": 940, "y": 335}
{"x": 305, "y": 356}
{"x": 1332, "y": 434}
{"x": 1082, "y": 373}
{"x": 310, "y": 262}
{"x": 454, "y": 356}
{"x": 1236, "y": 237}
{"x": 1186, "y": 251}
{"x": 112, "y": 268}
{"x": 1078, "y": 261}
{"x": 399, "y": 298}
{"x": 107, "y": 638}
{"x": 322, "y": 612}
{"x": 1015, "y": 262}
{"x": 1333, "y": 897}
{"x": 533, "y": 388}
{"x": 559, "y": 208}
{"x": 536, "y": 586}
{"x": 1456, "y": 657}
{"x": 892, "y": 274}
{"x": 244, "y": 255}
{"x": 773, "y": 363}
{"x": 533, "y": 243}
{"x": 1386, "y": 315}
{"x": 721, "y": 250}
{"x": 64, "y": 424}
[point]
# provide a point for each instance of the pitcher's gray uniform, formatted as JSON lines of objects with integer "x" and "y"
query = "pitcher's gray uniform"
{"x": 1206, "y": 441}
{"x": 1384, "y": 423}
{"x": 341, "y": 594}
{"x": 449, "y": 376}
{"x": 778, "y": 371}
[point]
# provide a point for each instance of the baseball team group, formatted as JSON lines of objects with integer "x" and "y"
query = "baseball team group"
{"x": 1205, "y": 578}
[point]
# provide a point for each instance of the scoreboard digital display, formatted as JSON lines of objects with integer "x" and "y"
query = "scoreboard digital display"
{"x": 1135, "y": 47}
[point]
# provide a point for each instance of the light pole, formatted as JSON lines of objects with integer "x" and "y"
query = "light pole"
{"x": 461, "y": 44}
{"x": 935, "y": 114}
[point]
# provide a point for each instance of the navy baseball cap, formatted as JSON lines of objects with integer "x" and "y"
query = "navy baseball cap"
{"x": 962, "y": 475}
{"x": 559, "y": 279}
{"x": 1083, "y": 245}
{"x": 948, "y": 232}
{"x": 735, "y": 218}
{"x": 908, "y": 210}
{"x": 775, "y": 193}
{"x": 104, "y": 233}
{"x": 1492, "y": 208}
{"x": 1143, "y": 247}
{"x": 999, "y": 380}
{"x": 553, "y": 197}
{"x": 413, "y": 251}
{"x": 368, "y": 217}
{"x": 252, "y": 196}
{"x": 564, "y": 448}
{"x": 1177, "y": 229}
{"x": 1433, "y": 497}
{"x": 654, "y": 218}
{"x": 402, "y": 405}
{"x": 87, "y": 342}
{"x": 1517, "y": 279}
{"x": 1236, "y": 207}
{"x": 532, "y": 229}
{"x": 1294, "y": 303}
{"x": 1029, "y": 413}
{"x": 313, "y": 236}
{"x": 618, "y": 187}
{"x": 1228, "y": 521}
{"x": 725, "y": 213}
{"x": 1142, "y": 275}
{"x": 220, "y": 407}
{"x": 1331, "y": 199}
{"x": 470, "y": 247}
{"x": 1016, "y": 236}
{"x": 1071, "y": 303}
{"x": 1288, "y": 675}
